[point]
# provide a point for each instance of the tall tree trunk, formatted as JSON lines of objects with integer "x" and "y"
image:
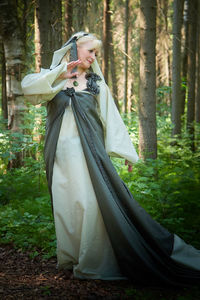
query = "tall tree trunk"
{"x": 3, "y": 84}
{"x": 126, "y": 30}
{"x": 185, "y": 58}
{"x": 56, "y": 25}
{"x": 191, "y": 67}
{"x": 147, "y": 90}
{"x": 80, "y": 13}
{"x": 106, "y": 38}
{"x": 48, "y": 24}
{"x": 162, "y": 45}
{"x": 197, "y": 104}
{"x": 68, "y": 17}
{"x": 113, "y": 71}
{"x": 48, "y": 38}
{"x": 43, "y": 34}
{"x": 24, "y": 23}
{"x": 14, "y": 50}
{"x": 38, "y": 44}
{"x": 176, "y": 66}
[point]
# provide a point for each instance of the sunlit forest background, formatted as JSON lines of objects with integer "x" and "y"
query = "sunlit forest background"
{"x": 151, "y": 61}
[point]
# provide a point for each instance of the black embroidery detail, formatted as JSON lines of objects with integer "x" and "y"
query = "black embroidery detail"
{"x": 92, "y": 85}
{"x": 70, "y": 91}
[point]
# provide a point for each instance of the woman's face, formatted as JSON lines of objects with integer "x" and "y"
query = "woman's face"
{"x": 87, "y": 54}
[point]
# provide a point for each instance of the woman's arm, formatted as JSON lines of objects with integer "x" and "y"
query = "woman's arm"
{"x": 117, "y": 139}
{"x": 43, "y": 86}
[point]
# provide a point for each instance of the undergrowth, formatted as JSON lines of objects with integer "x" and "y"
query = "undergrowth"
{"x": 168, "y": 188}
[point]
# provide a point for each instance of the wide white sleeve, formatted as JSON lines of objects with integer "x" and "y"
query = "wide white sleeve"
{"x": 117, "y": 140}
{"x": 43, "y": 86}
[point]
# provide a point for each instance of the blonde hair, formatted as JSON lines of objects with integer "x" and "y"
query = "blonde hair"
{"x": 81, "y": 39}
{"x": 86, "y": 38}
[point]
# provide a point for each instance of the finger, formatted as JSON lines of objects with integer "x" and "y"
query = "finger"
{"x": 73, "y": 63}
{"x": 130, "y": 168}
{"x": 73, "y": 75}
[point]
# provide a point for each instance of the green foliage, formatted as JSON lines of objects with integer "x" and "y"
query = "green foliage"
{"x": 28, "y": 224}
{"x": 168, "y": 188}
{"x": 21, "y": 181}
{"x": 131, "y": 122}
{"x": 25, "y": 209}
{"x": 26, "y": 139}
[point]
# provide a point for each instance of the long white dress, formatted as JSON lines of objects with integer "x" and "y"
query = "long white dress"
{"x": 82, "y": 241}
{"x": 146, "y": 251}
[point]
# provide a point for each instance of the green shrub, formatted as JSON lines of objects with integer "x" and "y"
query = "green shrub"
{"x": 28, "y": 224}
{"x": 168, "y": 187}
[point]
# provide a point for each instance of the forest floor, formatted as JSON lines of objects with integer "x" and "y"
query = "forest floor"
{"x": 23, "y": 277}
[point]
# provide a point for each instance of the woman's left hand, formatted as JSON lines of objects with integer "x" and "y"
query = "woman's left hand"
{"x": 130, "y": 167}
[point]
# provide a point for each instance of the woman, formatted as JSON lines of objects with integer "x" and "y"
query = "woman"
{"x": 102, "y": 232}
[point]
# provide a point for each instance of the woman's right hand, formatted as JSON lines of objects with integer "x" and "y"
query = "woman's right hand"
{"x": 70, "y": 67}
{"x": 130, "y": 167}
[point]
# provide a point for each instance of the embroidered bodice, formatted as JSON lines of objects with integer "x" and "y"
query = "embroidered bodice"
{"x": 92, "y": 85}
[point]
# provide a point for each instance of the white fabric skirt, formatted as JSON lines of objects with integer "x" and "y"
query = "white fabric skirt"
{"x": 82, "y": 241}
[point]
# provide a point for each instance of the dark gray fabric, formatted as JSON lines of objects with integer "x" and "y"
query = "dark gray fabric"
{"x": 141, "y": 245}
{"x": 73, "y": 54}
{"x": 55, "y": 111}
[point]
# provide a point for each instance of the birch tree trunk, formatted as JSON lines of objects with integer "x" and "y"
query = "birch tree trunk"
{"x": 14, "y": 50}
{"x": 147, "y": 89}
{"x": 191, "y": 68}
{"x": 176, "y": 66}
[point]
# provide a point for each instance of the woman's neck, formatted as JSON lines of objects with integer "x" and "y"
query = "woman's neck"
{"x": 78, "y": 83}
{"x": 80, "y": 71}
